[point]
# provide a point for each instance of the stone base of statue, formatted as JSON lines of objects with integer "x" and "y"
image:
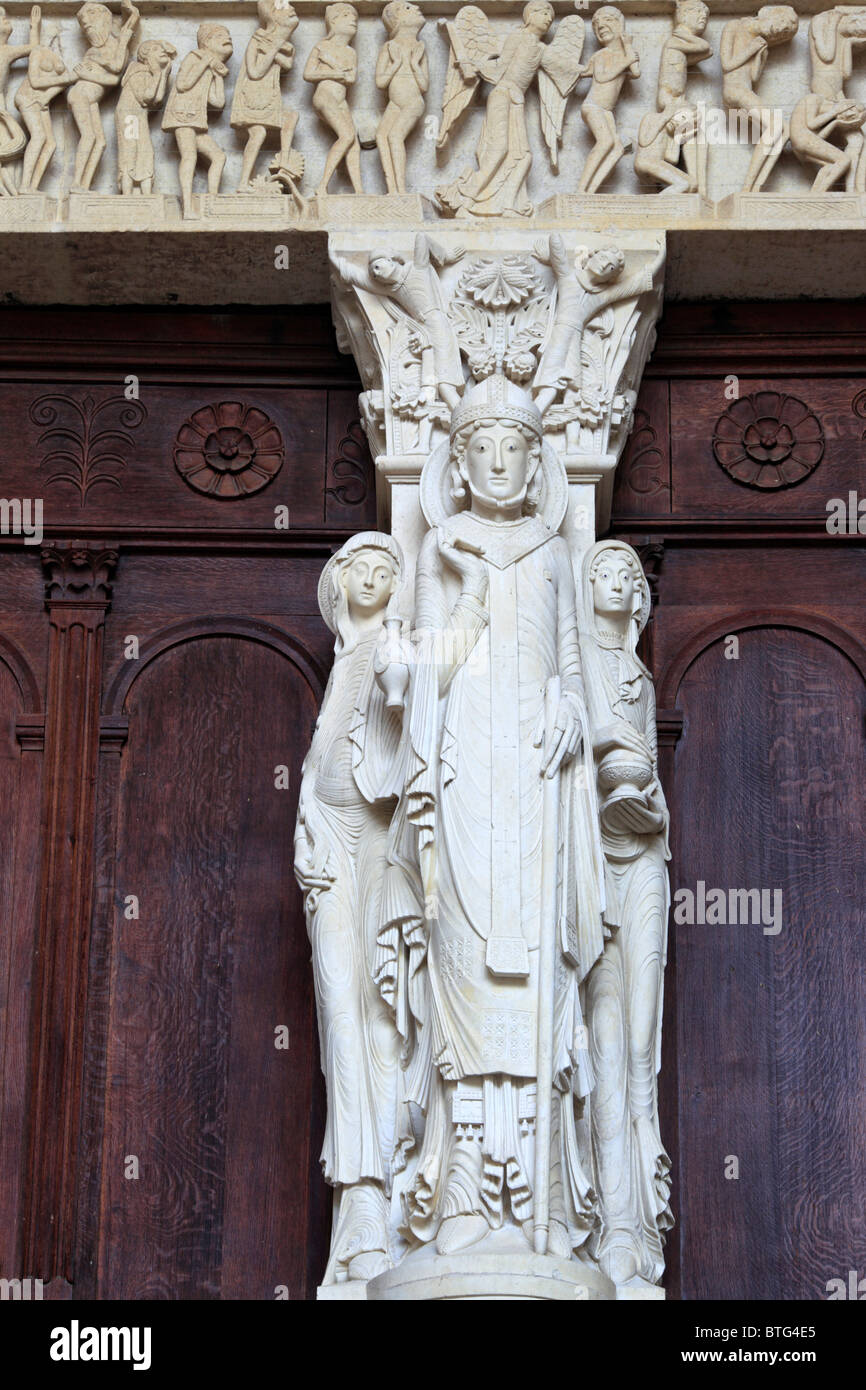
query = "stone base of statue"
{"x": 502, "y": 1267}
{"x": 105, "y": 212}
{"x": 369, "y": 209}
{"x": 27, "y": 212}
{"x": 781, "y": 211}
{"x": 260, "y": 210}
{"x": 627, "y": 209}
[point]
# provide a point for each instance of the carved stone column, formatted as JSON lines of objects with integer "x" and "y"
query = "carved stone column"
{"x": 77, "y": 595}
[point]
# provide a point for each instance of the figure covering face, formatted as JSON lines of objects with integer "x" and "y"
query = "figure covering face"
{"x": 349, "y": 781}
{"x": 624, "y": 991}
{"x": 507, "y": 843}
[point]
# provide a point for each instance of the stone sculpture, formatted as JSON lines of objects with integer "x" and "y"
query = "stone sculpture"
{"x": 506, "y": 844}
{"x": 350, "y": 778}
{"x": 402, "y": 72}
{"x": 510, "y": 64}
{"x": 595, "y": 282}
{"x": 743, "y": 51}
{"x": 413, "y": 288}
{"x": 826, "y": 111}
{"x": 670, "y": 134}
{"x": 142, "y": 89}
{"x": 46, "y": 78}
{"x": 257, "y": 104}
{"x": 608, "y": 68}
{"x": 12, "y": 137}
{"x": 199, "y": 88}
{"x": 99, "y": 70}
{"x": 624, "y": 990}
{"x": 333, "y": 67}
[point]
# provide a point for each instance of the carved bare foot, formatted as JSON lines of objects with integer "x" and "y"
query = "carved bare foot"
{"x": 620, "y": 1260}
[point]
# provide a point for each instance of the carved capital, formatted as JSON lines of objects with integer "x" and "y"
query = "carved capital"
{"x": 78, "y": 574}
{"x": 568, "y": 316}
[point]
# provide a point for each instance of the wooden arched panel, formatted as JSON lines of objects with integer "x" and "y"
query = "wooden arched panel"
{"x": 225, "y": 1127}
{"x": 769, "y": 793}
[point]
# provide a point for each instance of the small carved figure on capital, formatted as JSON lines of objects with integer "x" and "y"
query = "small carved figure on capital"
{"x": 594, "y": 282}
{"x": 413, "y": 287}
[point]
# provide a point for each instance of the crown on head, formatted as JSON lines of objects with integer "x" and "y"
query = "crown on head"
{"x": 497, "y": 398}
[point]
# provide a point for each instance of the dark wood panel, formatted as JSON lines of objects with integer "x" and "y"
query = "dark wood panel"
{"x": 771, "y": 1029}
{"x": 218, "y": 1118}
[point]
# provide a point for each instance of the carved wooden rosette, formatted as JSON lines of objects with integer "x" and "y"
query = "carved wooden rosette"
{"x": 78, "y": 582}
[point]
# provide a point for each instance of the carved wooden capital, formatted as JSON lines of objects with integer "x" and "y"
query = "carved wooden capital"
{"x": 78, "y": 574}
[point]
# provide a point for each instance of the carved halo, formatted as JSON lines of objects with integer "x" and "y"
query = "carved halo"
{"x": 437, "y": 504}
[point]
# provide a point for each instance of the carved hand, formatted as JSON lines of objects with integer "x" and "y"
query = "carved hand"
{"x": 471, "y": 568}
{"x": 562, "y": 741}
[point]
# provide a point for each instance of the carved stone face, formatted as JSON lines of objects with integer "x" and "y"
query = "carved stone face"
{"x": 95, "y": 21}
{"x": 538, "y": 16}
{"x": 383, "y": 268}
{"x": 369, "y": 582}
{"x": 342, "y": 21}
{"x": 497, "y": 463}
{"x": 613, "y": 587}
{"x": 220, "y": 45}
{"x": 604, "y": 265}
{"x": 607, "y": 24}
{"x": 695, "y": 16}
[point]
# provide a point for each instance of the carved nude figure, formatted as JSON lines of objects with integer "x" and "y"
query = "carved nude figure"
{"x": 12, "y": 137}
{"x": 624, "y": 990}
{"x": 510, "y": 64}
{"x": 826, "y": 111}
{"x": 670, "y": 134}
{"x": 595, "y": 282}
{"x": 608, "y": 68}
{"x": 414, "y": 287}
{"x": 743, "y": 51}
{"x": 142, "y": 90}
{"x": 46, "y": 77}
{"x": 99, "y": 69}
{"x": 350, "y": 779}
{"x": 199, "y": 88}
{"x": 257, "y": 104}
{"x": 333, "y": 67}
{"x": 402, "y": 72}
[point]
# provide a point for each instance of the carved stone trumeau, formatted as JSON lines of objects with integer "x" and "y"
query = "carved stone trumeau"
{"x": 489, "y": 731}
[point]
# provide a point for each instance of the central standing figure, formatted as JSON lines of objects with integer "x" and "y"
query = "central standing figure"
{"x": 497, "y": 713}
